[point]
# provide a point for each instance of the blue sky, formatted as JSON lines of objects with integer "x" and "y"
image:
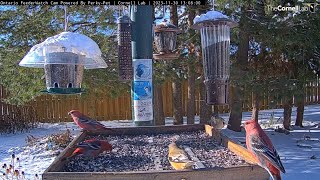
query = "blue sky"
{"x": 4, "y": 8}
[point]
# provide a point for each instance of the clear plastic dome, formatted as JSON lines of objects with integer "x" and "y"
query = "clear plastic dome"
{"x": 82, "y": 50}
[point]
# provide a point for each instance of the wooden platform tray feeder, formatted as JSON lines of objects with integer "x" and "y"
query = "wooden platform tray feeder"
{"x": 207, "y": 136}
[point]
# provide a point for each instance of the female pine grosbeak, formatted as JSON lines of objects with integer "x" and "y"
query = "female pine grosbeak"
{"x": 178, "y": 157}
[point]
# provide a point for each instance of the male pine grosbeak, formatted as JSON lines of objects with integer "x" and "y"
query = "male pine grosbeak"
{"x": 85, "y": 122}
{"x": 91, "y": 148}
{"x": 259, "y": 144}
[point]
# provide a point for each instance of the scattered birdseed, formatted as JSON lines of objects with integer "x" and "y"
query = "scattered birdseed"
{"x": 150, "y": 153}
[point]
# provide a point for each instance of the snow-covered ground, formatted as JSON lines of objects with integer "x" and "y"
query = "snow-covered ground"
{"x": 299, "y": 150}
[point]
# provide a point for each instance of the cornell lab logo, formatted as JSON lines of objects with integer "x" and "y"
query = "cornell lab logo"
{"x": 312, "y": 7}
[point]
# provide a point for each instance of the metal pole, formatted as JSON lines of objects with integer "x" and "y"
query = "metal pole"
{"x": 142, "y": 88}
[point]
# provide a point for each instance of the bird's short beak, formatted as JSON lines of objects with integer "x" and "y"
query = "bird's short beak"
{"x": 69, "y": 113}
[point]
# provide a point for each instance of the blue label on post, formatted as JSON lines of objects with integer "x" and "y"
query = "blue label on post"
{"x": 142, "y": 90}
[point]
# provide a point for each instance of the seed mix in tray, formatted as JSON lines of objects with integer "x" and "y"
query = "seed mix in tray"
{"x": 150, "y": 153}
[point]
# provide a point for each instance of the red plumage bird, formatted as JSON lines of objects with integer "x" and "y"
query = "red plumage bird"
{"x": 91, "y": 148}
{"x": 259, "y": 144}
{"x": 85, "y": 122}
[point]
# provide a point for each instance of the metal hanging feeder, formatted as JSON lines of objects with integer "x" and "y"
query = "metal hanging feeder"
{"x": 215, "y": 42}
{"x": 64, "y": 58}
{"x": 165, "y": 40}
{"x": 124, "y": 48}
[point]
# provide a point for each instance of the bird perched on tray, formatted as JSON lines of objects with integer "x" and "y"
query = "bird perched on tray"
{"x": 85, "y": 122}
{"x": 259, "y": 144}
{"x": 216, "y": 121}
{"x": 178, "y": 158}
{"x": 91, "y": 148}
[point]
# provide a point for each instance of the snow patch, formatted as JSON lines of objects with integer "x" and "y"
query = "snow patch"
{"x": 210, "y": 15}
{"x": 299, "y": 150}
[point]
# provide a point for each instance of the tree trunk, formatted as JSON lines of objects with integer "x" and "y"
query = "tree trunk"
{"x": 158, "y": 106}
{"x": 300, "y": 103}
{"x": 300, "y": 111}
{"x": 176, "y": 84}
{"x": 255, "y": 106}
{"x": 191, "y": 95}
{"x": 174, "y": 15}
{"x": 235, "y": 109}
{"x": 236, "y": 73}
{"x": 287, "y": 107}
{"x": 177, "y": 102}
{"x": 191, "y": 106}
{"x": 205, "y": 110}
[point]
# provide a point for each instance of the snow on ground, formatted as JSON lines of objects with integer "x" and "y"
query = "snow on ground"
{"x": 299, "y": 150}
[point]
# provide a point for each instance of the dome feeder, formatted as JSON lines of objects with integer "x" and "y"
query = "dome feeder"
{"x": 64, "y": 58}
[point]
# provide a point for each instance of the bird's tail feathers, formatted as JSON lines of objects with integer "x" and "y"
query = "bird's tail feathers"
{"x": 103, "y": 127}
{"x": 274, "y": 176}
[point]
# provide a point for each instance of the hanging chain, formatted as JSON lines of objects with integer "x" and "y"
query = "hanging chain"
{"x": 65, "y": 19}
{"x": 212, "y": 5}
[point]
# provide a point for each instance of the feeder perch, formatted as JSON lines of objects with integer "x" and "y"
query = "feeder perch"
{"x": 215, "y": 41}
{"x": 64, "y": 57}
{"x": 124, "y": 48}
{"x": 165, "y": 40}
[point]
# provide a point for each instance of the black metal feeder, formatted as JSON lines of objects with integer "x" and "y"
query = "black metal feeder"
{"x": 165, "y": 40}
{"x": 64, "y": 58}
{"x": 124, "y": 48}
{"x": 215, "y": 42}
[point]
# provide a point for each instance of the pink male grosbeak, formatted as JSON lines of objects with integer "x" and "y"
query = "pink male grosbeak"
{"x": 259, "y": 144}
{"x": 85, "y": 122}
{"x": 91, "y": 148}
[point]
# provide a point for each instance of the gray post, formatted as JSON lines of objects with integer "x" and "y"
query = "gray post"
{"x": 142, "y": 88}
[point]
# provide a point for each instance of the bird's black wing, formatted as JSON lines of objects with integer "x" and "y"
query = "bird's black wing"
{"x": 260, "y": 147}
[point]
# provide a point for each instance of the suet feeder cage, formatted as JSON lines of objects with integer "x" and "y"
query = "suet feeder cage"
{"x": 64, "y": 57}
{"x": 165, "y": 40}
{"x": 124, "y": 48}
{"x": 215, "y": 42}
